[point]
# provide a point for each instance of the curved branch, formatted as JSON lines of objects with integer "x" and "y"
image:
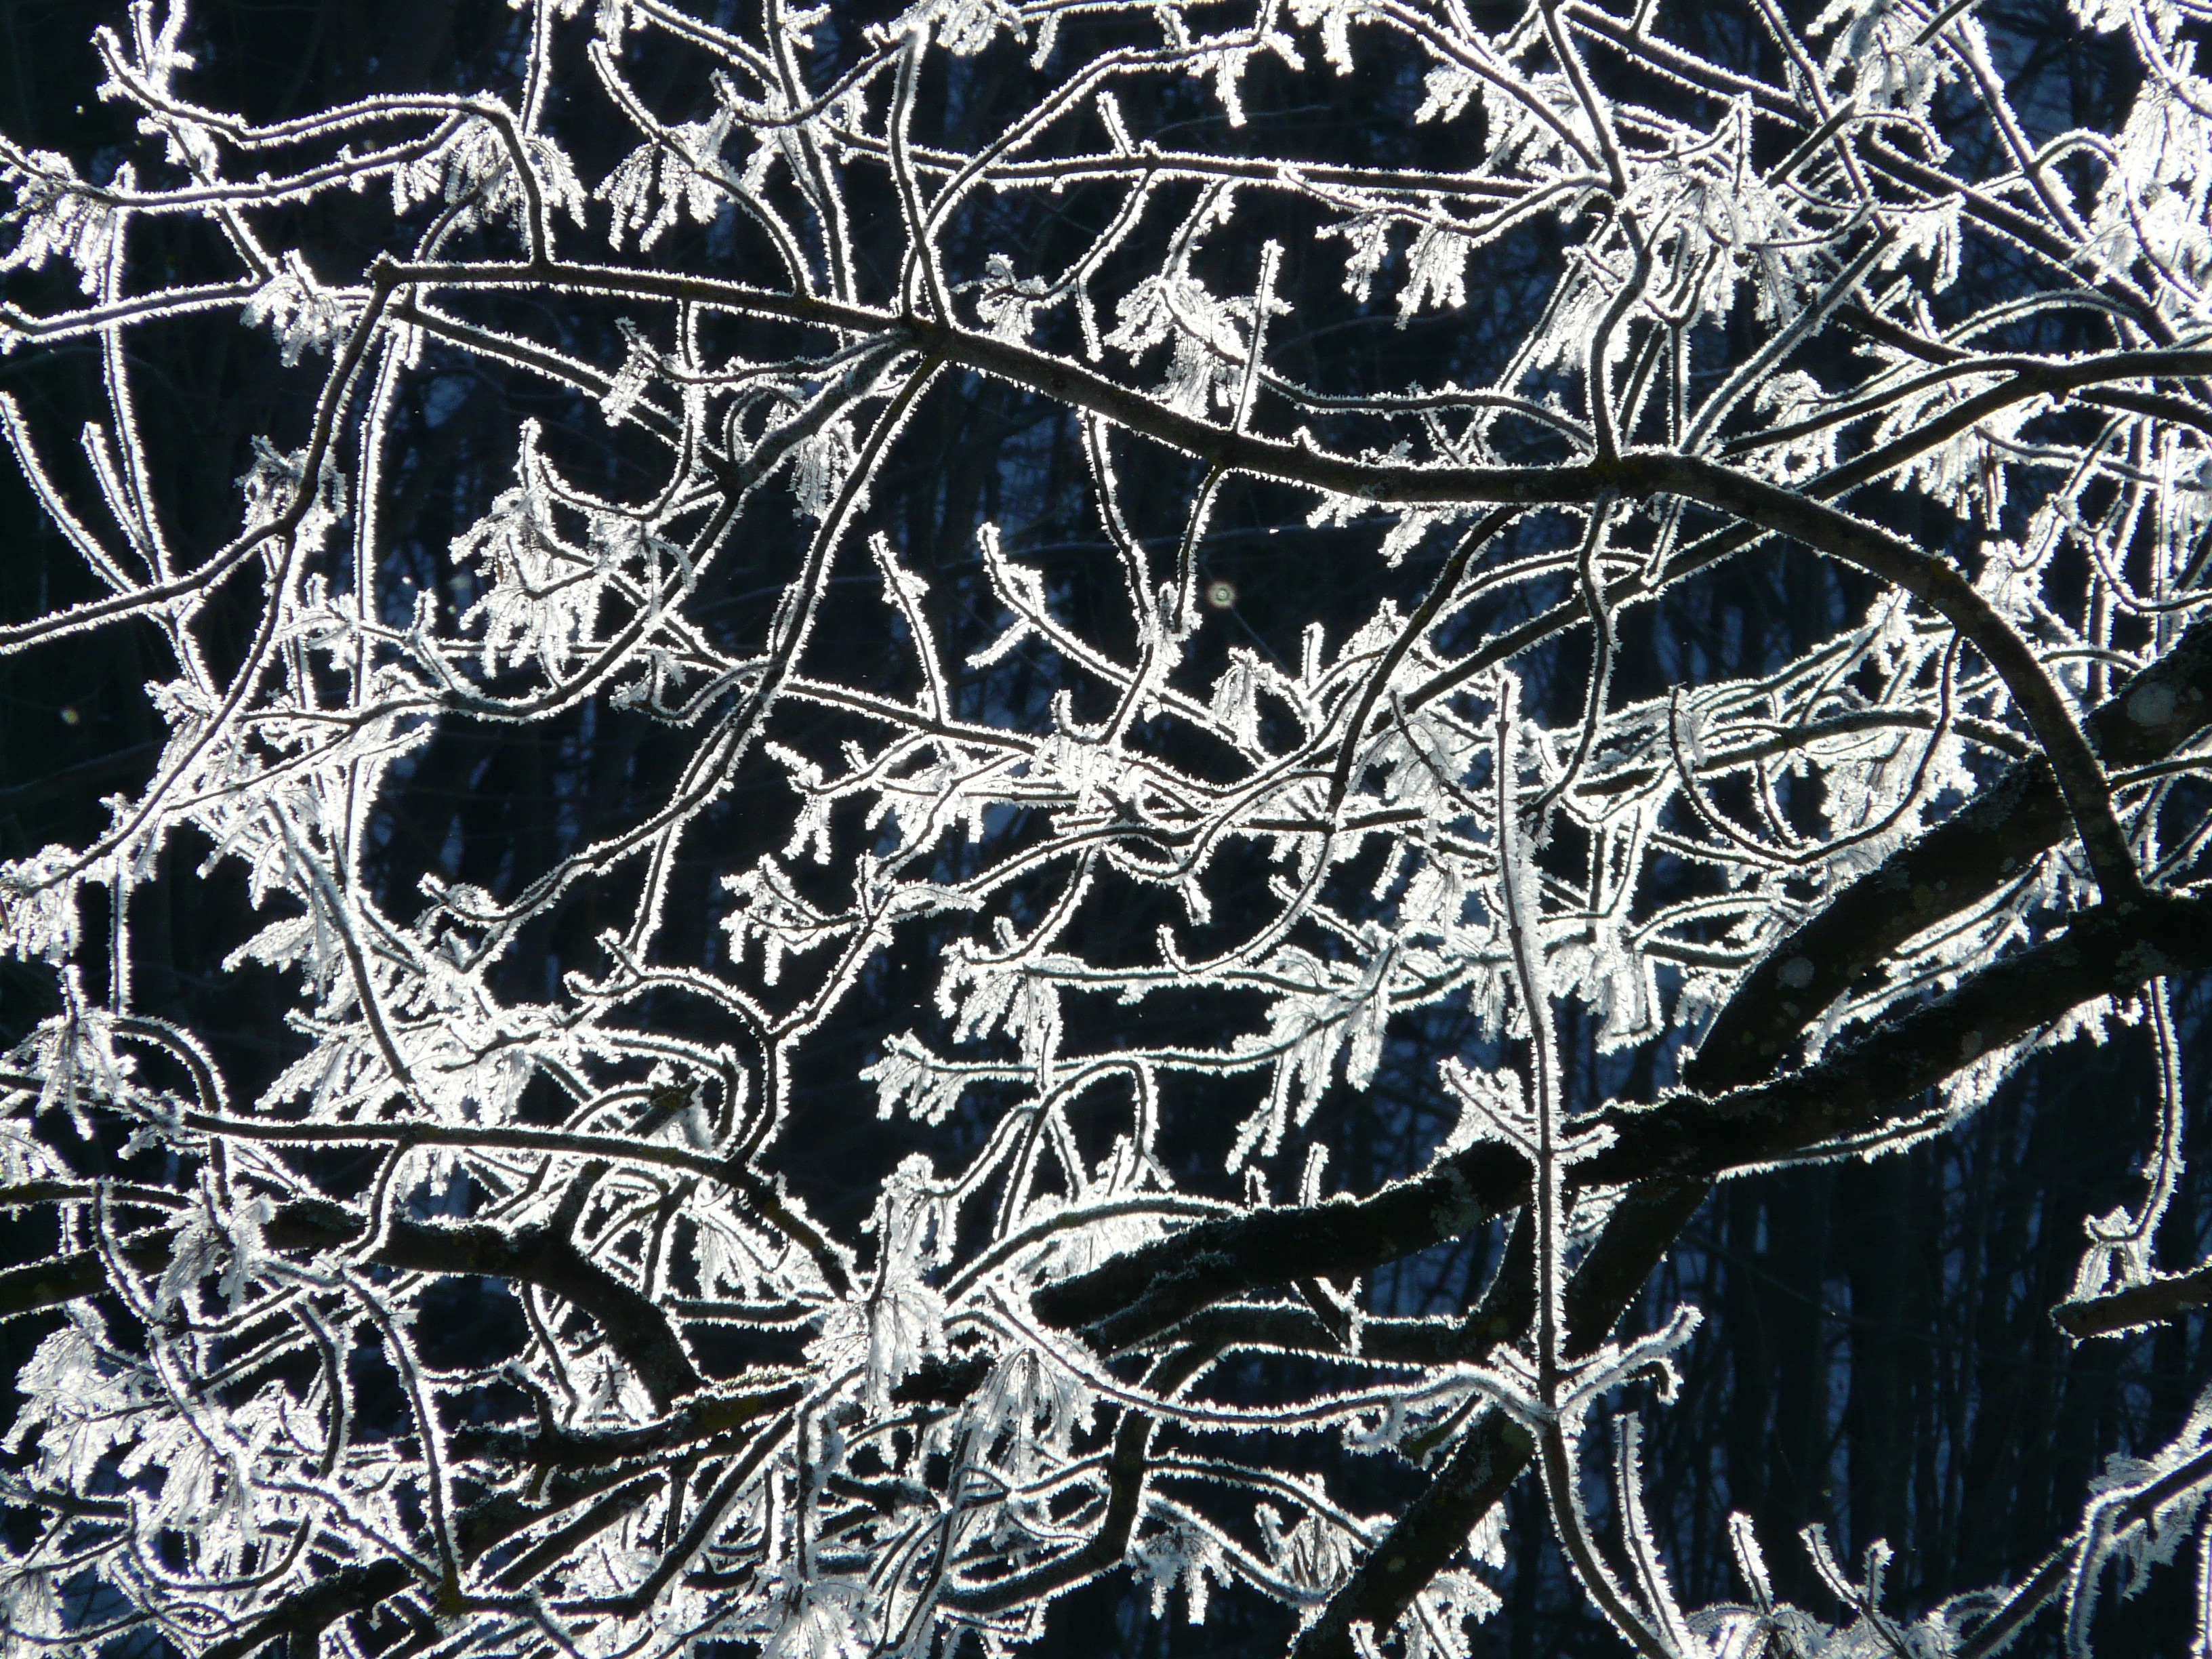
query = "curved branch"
{"x": 1947, "y": 870}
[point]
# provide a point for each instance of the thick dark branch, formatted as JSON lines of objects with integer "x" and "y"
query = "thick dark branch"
{"x": 700, "y": 1418}
{"x": 1423, "y": 1541}
{"x": 24, "y": 1194}
{"x": 1846, "y": 1098}
{"x": 1954, "y": 865}
{"x": 2156, "y": 405}
{"x": 633, "y": 1326}
{"x": 1994, "y": 838}
{"x": 1124, "y": 1301}
{"x": 1860, "y": 320}
{"x": 1850, "y": 1096}
{"x": 1635, "y": 1239}
{"x": 561, "y": 1543}
{"x": 50, "y": 1283}
{"x": 300, "y": 1618}
{"x": 2136, "y": 1305}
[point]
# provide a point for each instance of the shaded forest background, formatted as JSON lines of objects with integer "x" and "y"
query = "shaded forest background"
{"x": 1877, "y": 1353}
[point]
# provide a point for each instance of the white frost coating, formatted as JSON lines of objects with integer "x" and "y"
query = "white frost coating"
{"x": 1326, "y": 854}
